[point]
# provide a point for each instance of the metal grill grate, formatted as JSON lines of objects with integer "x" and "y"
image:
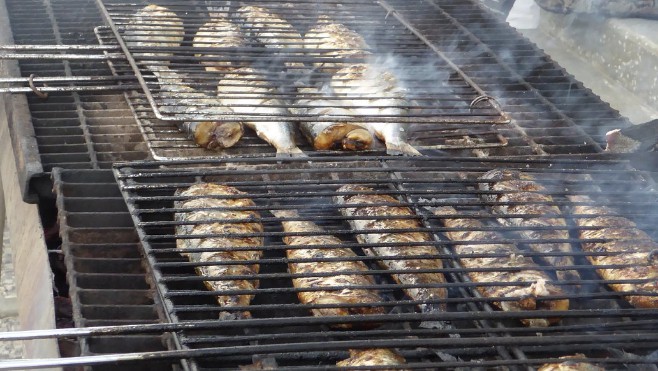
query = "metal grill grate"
{"x": 598, "y": 323}
{"x": 107, "y": 281}
{"x": 76, "y": 130}
{"x": 435, "y": 90}
{"x": 166, "y": 142}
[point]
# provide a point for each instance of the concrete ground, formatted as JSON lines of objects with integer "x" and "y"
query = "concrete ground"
{"x": 8, "y": 290}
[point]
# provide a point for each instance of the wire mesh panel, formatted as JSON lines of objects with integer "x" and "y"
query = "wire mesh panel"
{"x": 438, "y": 262}
{"x": 291, "y": 56}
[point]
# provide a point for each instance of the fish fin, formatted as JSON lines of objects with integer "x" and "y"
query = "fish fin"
{"x": 290, "y": 152}
{"x": 402, "y": 148}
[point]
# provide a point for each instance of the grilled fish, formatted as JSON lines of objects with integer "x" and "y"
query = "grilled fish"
{"x": 357, "y": 201}
{"x": 373, "y": 91}
{"x": 246, "y": 92}
{"x": 373, "y": 357}
{"x": 179, "y": 98}
{"x": 342, "y": 297}
{"x": 632, "y": 248}
{"x": 272, "y": 31}
{"x": 533, "y": 297}
{"x": 206, "y": 224}
{"x": 517, "y": 187}
{"x": 571, "y": 363}
{"x": 154, "y": 26}
{"x": 334, "y": 41}
{"x": 218, "y": 33}
{"x": 326, "y": 135}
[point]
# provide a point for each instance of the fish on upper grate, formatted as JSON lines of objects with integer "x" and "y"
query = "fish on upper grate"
{"x": 329, "y": 134}
{"x": 246, "y": 92}
{"x": 273, "y": 32}
{"x": 218, "y": 33}
{"x": 370, "y": 91}
{"x": 332, "y": 40}
{"x": 526, "y": 197}
{"x": 514, "y": 269}
{"x": 632, "y": 249}
{"x": 571, "y": 363}
{"x": 202, "y": 221}
{"x": 331, "y": 296}
{"x": 151, "y": 27}
{"x": 179, "y": 98}
{"x": 373, "y": 357}
{"x": 362, "y": 204}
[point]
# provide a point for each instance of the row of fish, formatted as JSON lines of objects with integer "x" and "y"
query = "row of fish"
{"x": 392, "y": 234}
{"x": 390, "y": 230}
{"x": 355, "y": 89}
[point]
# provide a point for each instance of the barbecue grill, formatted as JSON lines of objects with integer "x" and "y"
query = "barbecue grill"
{"x": 121, "y": 265}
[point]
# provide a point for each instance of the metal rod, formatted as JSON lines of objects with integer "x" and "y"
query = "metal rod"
{"x": 63, "y": 89}
{"x": 61, "y": 56}
{"x": 63, "y": 79}
{"x": 58, "y": 47}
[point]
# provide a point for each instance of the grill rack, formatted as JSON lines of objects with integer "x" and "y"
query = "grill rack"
{"x": 307, "y": 186}
{"x": 166, "y": 142}
{"x": 416, "y": 59}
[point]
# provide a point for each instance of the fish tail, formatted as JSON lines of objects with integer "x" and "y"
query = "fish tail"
{"x": 402, "y": 148}
{"x": 284, "y": 213}
{"x": 290, "y": 152}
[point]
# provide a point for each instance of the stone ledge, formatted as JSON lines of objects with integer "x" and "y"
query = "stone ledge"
{"x": 625, "y": 49}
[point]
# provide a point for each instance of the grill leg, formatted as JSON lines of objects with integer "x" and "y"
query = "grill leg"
{"x": 8, "y": 305}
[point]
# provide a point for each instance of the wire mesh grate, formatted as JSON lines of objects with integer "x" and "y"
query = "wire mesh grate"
{"x": 269, "y": 318}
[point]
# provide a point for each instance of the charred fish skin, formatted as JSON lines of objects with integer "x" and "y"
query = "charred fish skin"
{"x": 373, "y": 357}
{"x": 200, "y": 196}
{"x": 571, "y": 363}
{"x": 512, "y": 186}
{"x": 154, "y": 26}
{"x": 256, "y": 98}
{"x": 537, "y": 296}
{"x": 358, "y": 201}
{"x": 350, "y": 294}
{"x": 328, "y": 135}
{"x": 272, "y": 31}
{"x": 335, "y": 41}
{"x": 374, "y": 91}
{"x": 631, "y": 248}
{"x": 219, "y": 32}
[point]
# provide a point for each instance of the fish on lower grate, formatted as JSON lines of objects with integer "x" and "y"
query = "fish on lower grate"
{"x": 517, "y": 193}
{"x": 362, "y": 206}
{"x": 340, "y": 298}
{"x": 514, "y": 268}
{"x": 207, "y": 197}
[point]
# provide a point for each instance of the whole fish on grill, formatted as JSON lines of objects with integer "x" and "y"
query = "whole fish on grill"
{"x": 514, "y": 268}
{"x": 373, "y": 357}
{"x": 517, "y": 187}
{"x": 272, "y": 31}
{"x": 180, "y": 98}
{"x": 205, "y": 219}
{"x": 631, "y": 248}
{"x": 219, "y": 33}
{"x": 342, "y": 297}
{"x": 571, "y": 363}
{"x": 326, "y": 135}
{"x": 372, "y": 91}
{"x": 359, "y": 202}
{"x": 331, "y": 40}
{"x": 151, "y": 27}
{"x": 246, "y": 92}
